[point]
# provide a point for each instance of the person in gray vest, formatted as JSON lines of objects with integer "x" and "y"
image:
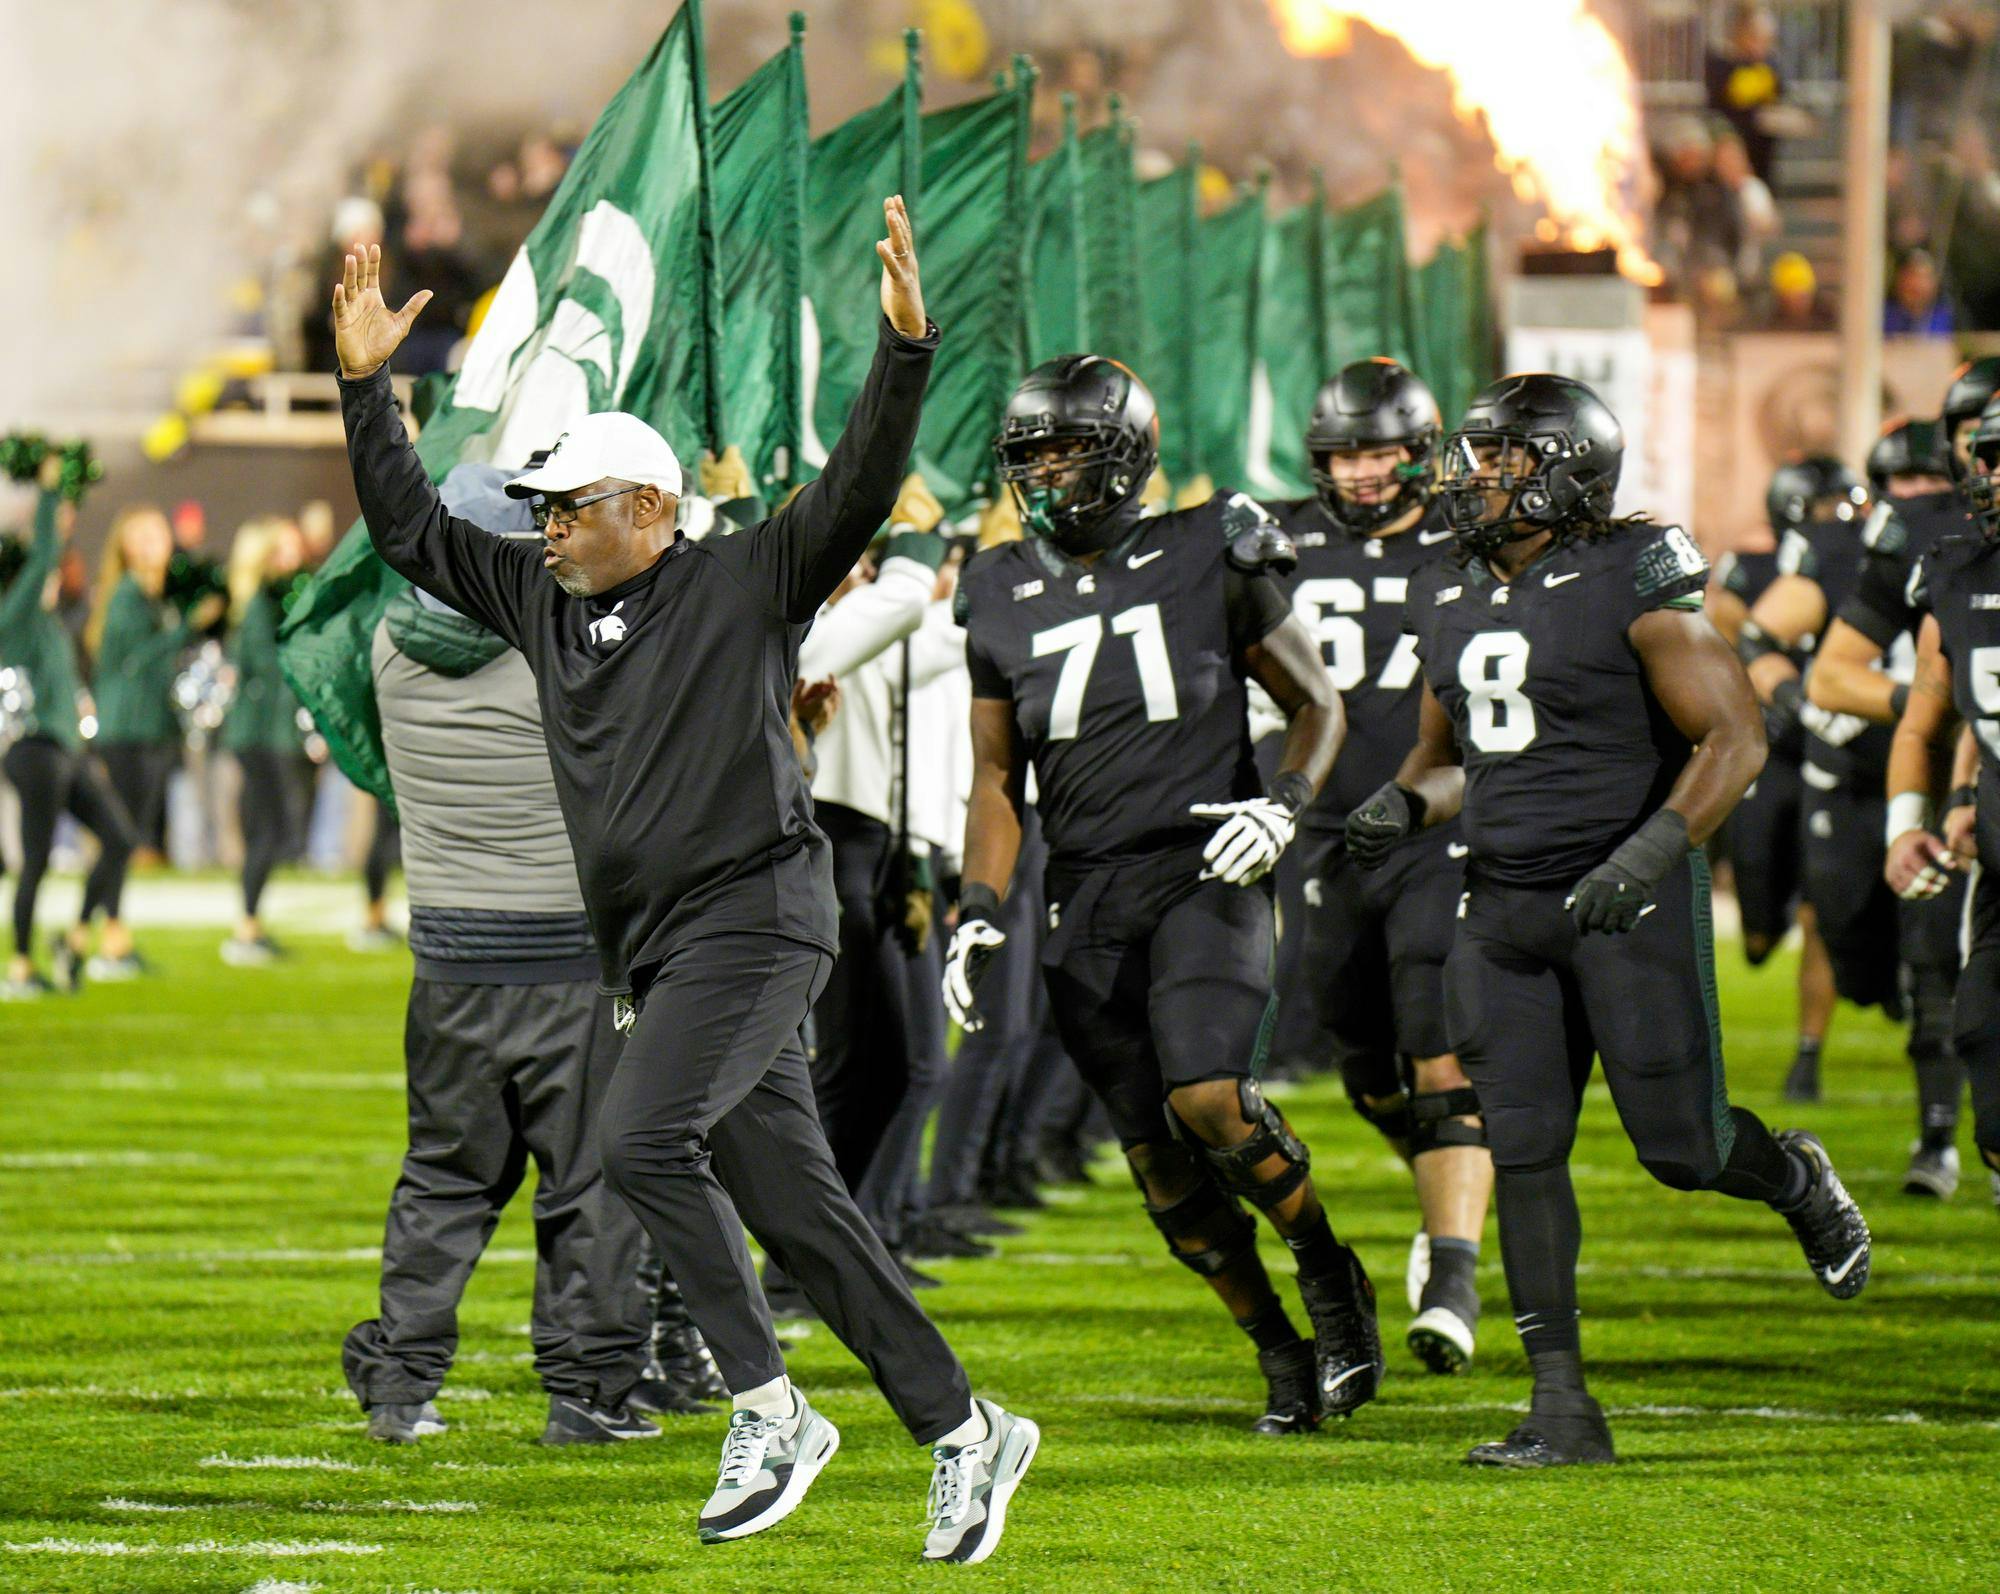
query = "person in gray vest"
{"x": 508, "y": 1047}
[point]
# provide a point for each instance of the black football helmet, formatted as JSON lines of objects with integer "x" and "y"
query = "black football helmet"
{"x": 1905, "y": 448}
{"x": 1797, "y": 487}
{"x": 1982, "y": 478}
{"x": 1973, "y": 387}
{"x": 1374, "y": 404}
{"x": 1078, "y": 500}
{"x": 1547, "y": 443}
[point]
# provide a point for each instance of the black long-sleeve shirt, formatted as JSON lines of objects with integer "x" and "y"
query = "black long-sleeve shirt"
{"x": 666, "y": 699}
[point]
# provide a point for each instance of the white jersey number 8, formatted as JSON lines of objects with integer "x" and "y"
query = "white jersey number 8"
{"x": 1493, "y": 669}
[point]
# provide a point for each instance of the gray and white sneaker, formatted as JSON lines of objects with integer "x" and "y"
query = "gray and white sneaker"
{"x": 1933, "y": 1171}
{"x": 404, "y": 1423}
{"x": 973, "y": 1483}
{"x": 100, "y": 970}
{"x": 768, "y": 1463}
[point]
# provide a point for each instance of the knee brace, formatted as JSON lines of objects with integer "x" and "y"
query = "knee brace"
{"x": 1433, "y": 1120}
{"x": 1221, "y": 1232}
{"x": 1391, "y": 1121}
{"x": 1235, "y": 1166}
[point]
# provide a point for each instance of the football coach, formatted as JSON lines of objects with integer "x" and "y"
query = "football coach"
{"x": 664, "y": 668}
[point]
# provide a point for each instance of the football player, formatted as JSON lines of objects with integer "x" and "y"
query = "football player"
{"x": 1818, "y": 509}
{"x": 1866, "y": 652}
{"x": 1373, "y": 521}
{"x": 1593, "y": 730}
{"x": 1110, "y": 651}
{"x": 1958, "y": 581}
{"x": 1762, "y": 838}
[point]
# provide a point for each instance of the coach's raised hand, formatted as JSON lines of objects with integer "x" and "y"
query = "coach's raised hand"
{"x": 366, "y": 331}
{"x": 902, "y": 293}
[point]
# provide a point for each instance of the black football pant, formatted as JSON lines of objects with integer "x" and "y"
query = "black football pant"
{"x": 1929, "y": 937}
{"x": 385, "y": 852}
{"x": 1765, "y": 854}
{"x": 499, "y": 1075}
{"x": 1530, "y": 1001}
{"x": 1843, "y": 846}
{"x": 709, "y": 1127}
{"x": 51, "y": 781}
{"x": 890, "y": 1193}
{"x": 1976, "y": 1016}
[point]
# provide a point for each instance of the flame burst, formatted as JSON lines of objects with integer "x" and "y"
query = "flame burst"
{"x": 1555, "y": 89}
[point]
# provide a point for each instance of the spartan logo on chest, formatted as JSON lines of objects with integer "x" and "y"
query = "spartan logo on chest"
{"x": 607, "y": 631}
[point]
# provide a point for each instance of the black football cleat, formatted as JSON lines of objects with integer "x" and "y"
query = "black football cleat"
{"x": 934, "y": 1242}
{"x": 1582, "y": 1439}
{"x": 1346, "y": 1339}
{"x": 657, "y": 1395}
{"x": 1802, "y": 1083}
{"x": 1291, "y": 1378}
{"x": 1828, "y": 1222}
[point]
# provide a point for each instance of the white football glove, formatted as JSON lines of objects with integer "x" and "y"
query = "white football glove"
{"x": 1249, "y": 840}
{"x": 972, "y": 947}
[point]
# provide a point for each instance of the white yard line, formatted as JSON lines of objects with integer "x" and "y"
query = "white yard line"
{"x": 103, "y": 1159}
{"x": 1900, "y": 1419}
{"x": 258, "y": 1547}
{"x": 277, "y": 1463}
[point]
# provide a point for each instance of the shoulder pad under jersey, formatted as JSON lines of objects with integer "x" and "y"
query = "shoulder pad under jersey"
{"x": 1256, "y": 544}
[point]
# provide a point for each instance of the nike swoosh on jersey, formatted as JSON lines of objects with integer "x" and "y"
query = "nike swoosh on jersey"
{"x": 1456, "y": 849}
{"x": 1833, "y": 1275}
{"x": 1430, "y": 539}
{"x": 1556, "y": 581}
{"x": 1138, "y": 559}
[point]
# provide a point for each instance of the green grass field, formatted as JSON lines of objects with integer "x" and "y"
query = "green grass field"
{"x": 192, "y": 1180}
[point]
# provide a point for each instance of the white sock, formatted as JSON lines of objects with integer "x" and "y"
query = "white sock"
{"x": 767, "y": 1400}
{"x": 970, "y": 1432}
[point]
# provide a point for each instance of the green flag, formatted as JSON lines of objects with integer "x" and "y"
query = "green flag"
{"x": 1230, "y": 257}
{"x": 1291, "y": 348}
{"x": 760, "y": 142}
{"x": 1454, "y": 323}
{"x": 849, "y": 172}
{"x": 973, "y": 226}
{"x": 1368, "y": 294}
{"x": 1058, "y": 305}
{"x": 610, "y": 304}
{"x": 1111, "y": 240}
{"x": 1170, "y": 286}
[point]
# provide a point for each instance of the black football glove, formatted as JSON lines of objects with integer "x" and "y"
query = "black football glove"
{"x": 1613, "y": 896}
{"x": 972, "y": 947}
{"x": 1392, "y": 815}
{"x": 1781, "y": 714}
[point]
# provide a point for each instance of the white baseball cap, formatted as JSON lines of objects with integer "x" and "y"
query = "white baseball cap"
{"x": 609, "y": 443}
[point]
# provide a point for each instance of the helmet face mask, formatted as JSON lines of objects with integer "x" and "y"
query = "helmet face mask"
{"x": 1535, "y": 453}
{"x": 1817, "y": 489}
{"x": 1380, "y": 417}
{"x": 1981, "y": 480}
{"x": 1076, "y": 447}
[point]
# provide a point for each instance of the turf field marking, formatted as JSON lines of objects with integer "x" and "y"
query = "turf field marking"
{"x": 223, "y": 1458}
{"x": 333, "y": 1507}
{"x": 267, "y": 1547}
{"x": 272, "y": 1585}
{"x": 103, "y": 1159}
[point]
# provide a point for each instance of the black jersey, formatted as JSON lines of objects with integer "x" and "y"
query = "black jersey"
{"x": 1958, "y": 580}
{"x": 1126, "y": 677}
{"x": 1900, "y": 532}
{"x": 1830, "y": 554}
{"x": 1566, "y": 750}
{"x": 1350, "y": 592}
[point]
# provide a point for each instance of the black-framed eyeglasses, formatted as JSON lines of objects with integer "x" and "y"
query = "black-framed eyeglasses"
{"x": 546, "y": 514}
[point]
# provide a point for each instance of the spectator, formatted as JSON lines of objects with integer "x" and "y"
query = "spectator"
{"x": 1795, "y": 303}
{"x": 1745, "y": 89}
{"x": 1696, "y": 219}
{"x": 1757, "y": 220}
{"x": 1915, "y": 306}
{"x": 357, "y": 223}
{"x": 433, "y": 257}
